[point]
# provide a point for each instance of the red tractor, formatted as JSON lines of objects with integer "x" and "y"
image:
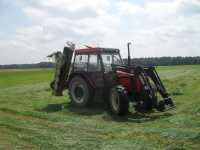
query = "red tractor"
{"x": 102, "y": 70}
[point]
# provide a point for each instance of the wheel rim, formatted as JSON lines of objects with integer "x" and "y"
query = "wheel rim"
{"x": 115, "y": 100}
{"x": 78, "y": 92}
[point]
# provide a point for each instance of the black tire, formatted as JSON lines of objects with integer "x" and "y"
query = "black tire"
{"x": 118, "y": 101}
{"x": 80, "y": 92}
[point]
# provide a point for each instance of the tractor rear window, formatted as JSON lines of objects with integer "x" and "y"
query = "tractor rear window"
{"x": 81, "y": 62}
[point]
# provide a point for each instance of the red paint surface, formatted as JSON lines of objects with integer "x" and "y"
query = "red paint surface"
{"x": 138, "y": 86}
{"x": 129, "y": 81}
{"x": 87, "y": 50}
{"x": 125, "y": 79}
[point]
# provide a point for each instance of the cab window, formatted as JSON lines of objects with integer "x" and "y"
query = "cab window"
{"x": 94, "y": 63}
{"x": 107, "y": 61}
{"x": 80, "y": 63}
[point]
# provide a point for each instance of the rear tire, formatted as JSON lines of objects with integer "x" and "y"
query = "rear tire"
{"x": 118, "y": 101}
{"x": 80, "y": 92}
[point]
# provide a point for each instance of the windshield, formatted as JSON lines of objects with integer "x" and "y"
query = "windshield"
{"x": 109, "y": 59}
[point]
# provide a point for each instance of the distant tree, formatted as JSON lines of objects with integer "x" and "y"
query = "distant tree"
{"x": 148, "y": 61}
{"x": 27, "y": 66}
{"x": 165, "y": 61}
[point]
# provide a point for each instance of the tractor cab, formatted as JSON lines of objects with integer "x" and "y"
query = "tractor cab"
{"x": 95, "y": 65}
{"x": 96, "y": 59}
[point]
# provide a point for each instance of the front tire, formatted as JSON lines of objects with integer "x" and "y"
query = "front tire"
{"x": 80, "y": 92}
{"x": 118, "y": 101}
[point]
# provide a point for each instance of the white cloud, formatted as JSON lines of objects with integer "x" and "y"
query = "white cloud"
{"x": 158, "y": 28}
{"x": 36, "y": 12}
{"x": 70, "y": 5}
{"x": 126, "y": 7}
{"x": 162, "y": 28}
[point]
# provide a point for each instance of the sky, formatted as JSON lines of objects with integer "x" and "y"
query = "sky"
{"x": 32, "y": 29}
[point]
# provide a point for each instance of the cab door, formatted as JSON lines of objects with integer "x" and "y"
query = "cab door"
{"x": 95, "y": 70}
{"x": 107, "y": 60}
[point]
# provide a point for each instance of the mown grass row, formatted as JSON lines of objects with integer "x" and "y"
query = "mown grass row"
{"x": 31, "y": 118}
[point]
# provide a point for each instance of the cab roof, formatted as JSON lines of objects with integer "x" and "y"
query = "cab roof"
{"x": 96, "y": 50}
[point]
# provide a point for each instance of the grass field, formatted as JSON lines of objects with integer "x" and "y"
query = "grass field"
{"x": 31, "y": 118}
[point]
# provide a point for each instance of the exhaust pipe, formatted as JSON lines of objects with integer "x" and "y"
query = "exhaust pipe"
{"x": 129, "y": 57}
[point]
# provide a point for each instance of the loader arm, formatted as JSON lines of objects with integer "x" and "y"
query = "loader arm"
{"x": 152, "y": 73}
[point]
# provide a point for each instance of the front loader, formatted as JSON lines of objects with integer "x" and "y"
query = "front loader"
{"x": 92, "y": 70}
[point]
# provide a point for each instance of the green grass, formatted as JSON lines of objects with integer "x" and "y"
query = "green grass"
{"x": 31, "y": 118}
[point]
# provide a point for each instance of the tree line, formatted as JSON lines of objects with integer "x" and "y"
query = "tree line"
{"x": 148, "y": 61}
{"x": 28, "y": 66}
{"x": 165, "y": 61}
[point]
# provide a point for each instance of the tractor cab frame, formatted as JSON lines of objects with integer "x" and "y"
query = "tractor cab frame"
{"x": 95, "y": 65}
